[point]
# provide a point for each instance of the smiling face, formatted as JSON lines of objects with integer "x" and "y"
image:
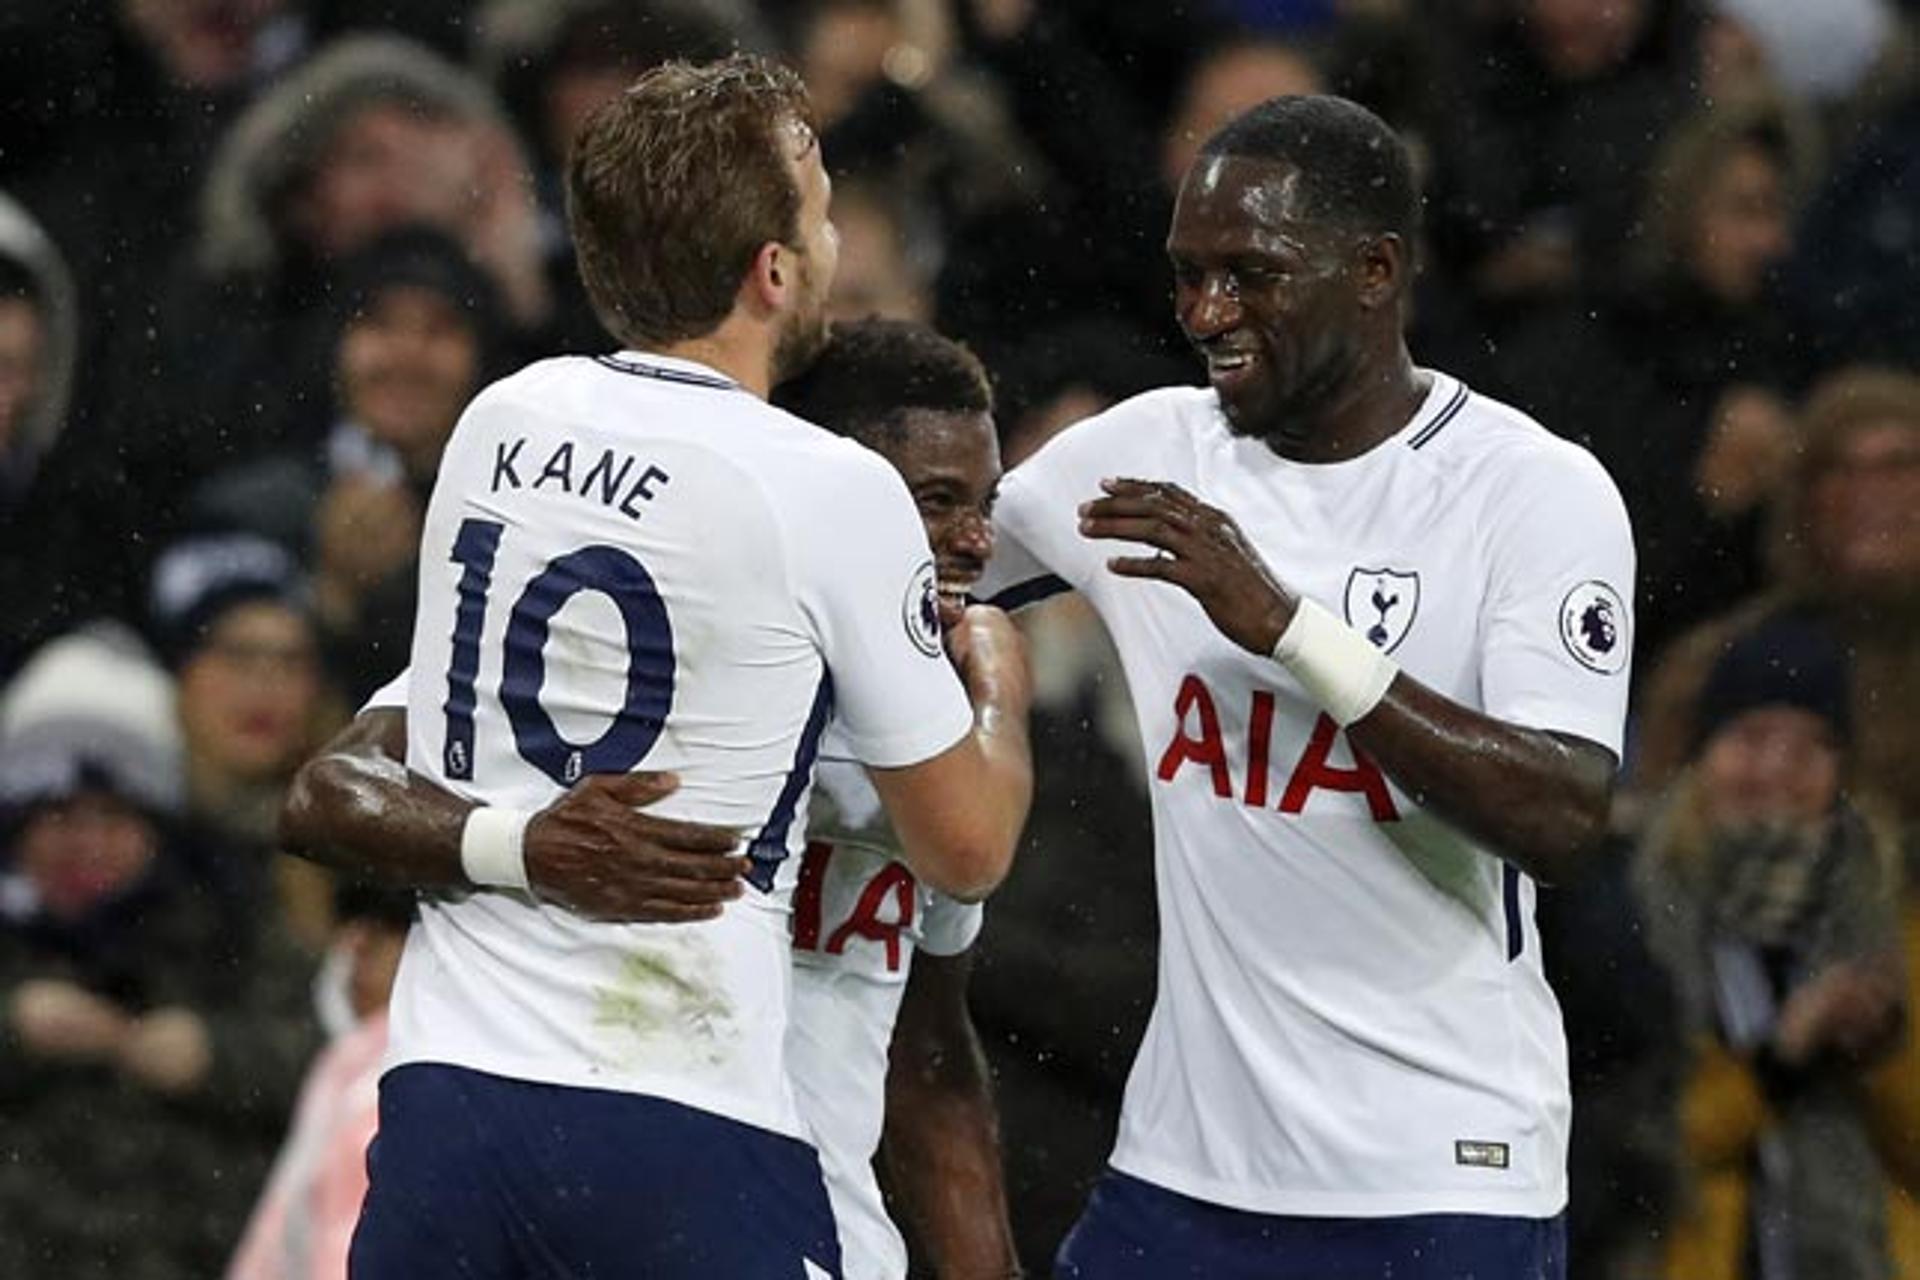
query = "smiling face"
{"x": 1865, "y": 511}
{"x": 1275, "y": 300}
{"x": 407, "y": 365}
{"x": 951, "y": 465}
{"x": 1741, "y": 227}
{"x": 1775, "y": 765}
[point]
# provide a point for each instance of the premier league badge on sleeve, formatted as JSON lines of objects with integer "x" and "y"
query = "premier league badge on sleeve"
{"x": 1380, "y": 605}
{"x": 1593, "y": 626}
{"x": 920, "y": 610}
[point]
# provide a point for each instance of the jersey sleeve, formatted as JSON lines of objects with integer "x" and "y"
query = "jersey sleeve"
{"x": 391, "y": 696}
{"x": 1557, "y": 637}
{"x": 1038, "y": 550}
{"x": 948, "y": 927}
{"x": 865, "y": 578}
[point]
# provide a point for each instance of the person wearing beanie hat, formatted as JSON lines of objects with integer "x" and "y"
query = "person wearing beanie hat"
{"x": 91, "y": 710}
{"x": 1793, "y": 660}
{"x": 1771, "y": 894}
{"x": 416, "y": 329}
{"x": 229, "y": 613}
{"x": 134, "y": 1009}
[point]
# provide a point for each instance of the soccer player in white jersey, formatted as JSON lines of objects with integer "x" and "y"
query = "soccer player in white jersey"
{"x": 636, "y": 561}
{"x": 872, "y": 946}
{"x": 1376, "y": 628}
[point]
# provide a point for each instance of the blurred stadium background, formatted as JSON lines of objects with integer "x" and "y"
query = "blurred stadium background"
{"x": 256, "y": 254}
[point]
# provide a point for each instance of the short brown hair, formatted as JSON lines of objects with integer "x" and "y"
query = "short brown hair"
{"x": 675, "y": 185}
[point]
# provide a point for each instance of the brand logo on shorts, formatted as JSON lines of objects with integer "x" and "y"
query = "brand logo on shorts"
{"x": 1593, "y": 626}
{"x": 1380, "y": 605}
{"x": 920, "y": 610}
{"x": 1480, "y": 1155}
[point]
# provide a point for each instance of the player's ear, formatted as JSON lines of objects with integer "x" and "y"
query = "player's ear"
{"x": 1384, "y": 270}
{"x": 770, "y": 276}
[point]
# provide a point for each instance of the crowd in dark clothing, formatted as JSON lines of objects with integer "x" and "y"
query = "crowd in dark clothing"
{"x": 255, "y": 256}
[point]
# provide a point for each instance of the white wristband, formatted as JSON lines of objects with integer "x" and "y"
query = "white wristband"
{"x": 1335, "y": 664}
{"x": 492, "y": 847}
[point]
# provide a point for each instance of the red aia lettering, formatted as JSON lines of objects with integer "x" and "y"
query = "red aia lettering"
{"x": 1207, "y": 749}
{"x": 1314, "y": 770}
{"x": 806, "y": 895}
{"x": 893, "y": 881}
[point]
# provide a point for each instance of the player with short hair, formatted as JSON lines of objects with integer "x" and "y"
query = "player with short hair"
{"x": 1378, "y": 650}
{"x": 879, "y": 959}
{"x": 635, "y": 560}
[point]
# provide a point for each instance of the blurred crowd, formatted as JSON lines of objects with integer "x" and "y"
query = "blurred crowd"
{"x": 255, "y": 255}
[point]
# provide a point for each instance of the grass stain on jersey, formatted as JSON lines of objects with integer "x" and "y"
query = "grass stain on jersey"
{"x": 1450, "y": 861}
{"x": 660, "y": 1005}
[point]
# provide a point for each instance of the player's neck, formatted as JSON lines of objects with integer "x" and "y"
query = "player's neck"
{"x": 740, "y": 356}
{"x": 1371, "y": 408}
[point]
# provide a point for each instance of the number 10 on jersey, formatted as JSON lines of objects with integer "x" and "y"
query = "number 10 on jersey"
{"x": 523, "y": 674}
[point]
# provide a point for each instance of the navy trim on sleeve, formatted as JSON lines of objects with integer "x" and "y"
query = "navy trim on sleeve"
{"x": 1032, "y": 591}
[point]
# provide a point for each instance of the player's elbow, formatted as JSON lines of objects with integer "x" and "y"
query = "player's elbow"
{"x": 301, "y": 809}
{"x": 971, "y": 871}
{"x": 1566, "y": 849}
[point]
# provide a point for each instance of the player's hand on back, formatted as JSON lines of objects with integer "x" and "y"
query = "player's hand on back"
{"x": 594, "y": 853}
{"x": 991, "y": 656}
{"x": 1202, "y": 551}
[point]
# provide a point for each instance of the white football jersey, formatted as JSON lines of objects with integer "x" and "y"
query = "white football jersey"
{"x": 629, "y": 562}
{"x": 1351, "y": 1018}
{"x": 858, "y": 917}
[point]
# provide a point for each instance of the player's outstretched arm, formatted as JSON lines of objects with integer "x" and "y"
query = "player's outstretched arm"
{"x": 1538, "y": 799}
{"x": 959, "y": 815}
{"x": 357, "y": 808}
{"x": 942, "y": 1141}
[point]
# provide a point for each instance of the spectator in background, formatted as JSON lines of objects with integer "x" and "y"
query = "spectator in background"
{"x": 119, "y": 105}
{"x": 1821, "y": 53}
{"x": 148, "y": 1049}
{"x": 1678, "y": 376}
{"x": 552, "y": 62}
{"x": 888, "y": 254}
{"x": 38, "y": 347}
{"x": 1849, "y": 546}
{"x": 303, "y": 1223}
{"x": 418, "y": 332}
{"x": 374, "y": 133}
{"x": 1230, "y": 78}
{"x": 1078, "y": 250}
{"x": 1858, "y": 266}
{"x": 231, "y": 617}
{"x": 1771, "y": 897}
{"x": 1543, "y": 142}
{"x": 38, "y": 330}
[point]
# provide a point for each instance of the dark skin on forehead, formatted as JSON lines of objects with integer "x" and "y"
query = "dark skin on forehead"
{"x": 1315, "y": 304}
{"x": 951, "y": 464}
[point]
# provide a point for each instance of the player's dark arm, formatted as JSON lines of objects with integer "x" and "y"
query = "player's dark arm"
{"x": 942, "y": 1142}
{"x": 356, "y": 807}
{"x": 960, "y": 814}
{"x": 1538, "y": 799}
